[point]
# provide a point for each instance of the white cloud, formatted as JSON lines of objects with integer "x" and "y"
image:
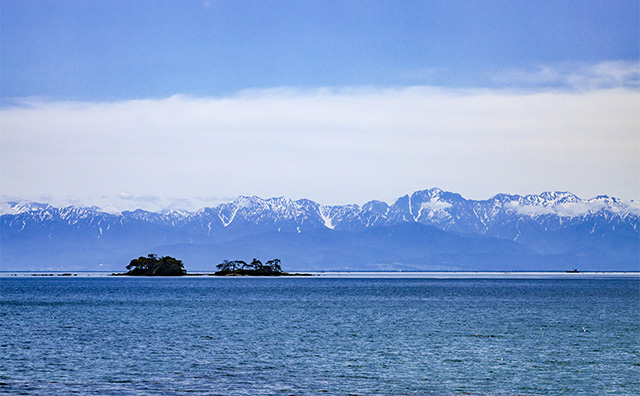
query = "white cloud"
{"x": 605, "y": 75}
{"x": 574, "y": 209}
{"x": 330, "y": 145}
{"x": 112, "y": 203}
{"x": 124, "y": 195}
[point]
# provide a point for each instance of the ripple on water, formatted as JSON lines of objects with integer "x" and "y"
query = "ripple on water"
{"x": 319, "y": 336}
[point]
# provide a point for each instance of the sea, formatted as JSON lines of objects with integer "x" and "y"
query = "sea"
{"x": 328, "y": 334}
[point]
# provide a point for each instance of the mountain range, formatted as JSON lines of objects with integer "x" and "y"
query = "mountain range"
{"x": 427, "y": 230}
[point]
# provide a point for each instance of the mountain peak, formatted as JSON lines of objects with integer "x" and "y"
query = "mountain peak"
{"x": 557, "y": 225}
{"x": 420, "y": 206}
{"x": 559, "y": 197}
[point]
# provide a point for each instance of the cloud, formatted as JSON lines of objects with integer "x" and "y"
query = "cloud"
{"x": 604, "y": 75}
{"x": 124, "y": 195}
{"x": 345, "y": 145}
{"x": 574, "y": 209}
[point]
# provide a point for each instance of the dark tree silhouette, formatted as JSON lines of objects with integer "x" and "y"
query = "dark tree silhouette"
{"x": 231, "y": 266}
{"x": 275, "y": 265}
{"x": 152, "y": 265}
{"x": 255, "y": 267}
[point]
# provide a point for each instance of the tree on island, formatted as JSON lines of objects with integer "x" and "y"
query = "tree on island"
{"x": 152, "y": 265}
{"x": 239, "y": 267}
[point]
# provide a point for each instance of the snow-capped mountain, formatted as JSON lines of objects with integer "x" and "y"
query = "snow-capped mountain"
{"x": 553, "y": 230}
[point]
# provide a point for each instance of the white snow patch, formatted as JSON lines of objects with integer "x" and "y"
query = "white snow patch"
{"x": 435, "y": 205}
{"x": 22, "y": 207}
{"x": 7, "y": 208}
{"x": 239, "y": 203}
{"x": 324, "y": 211}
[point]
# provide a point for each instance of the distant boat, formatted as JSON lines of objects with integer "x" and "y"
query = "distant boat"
{"x": 574, "y": 271}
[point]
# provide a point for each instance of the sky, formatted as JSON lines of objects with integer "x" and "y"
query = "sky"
{"x": 185, "y": 104}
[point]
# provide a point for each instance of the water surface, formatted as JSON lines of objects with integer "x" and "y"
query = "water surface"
{"x": 320, "y": 335}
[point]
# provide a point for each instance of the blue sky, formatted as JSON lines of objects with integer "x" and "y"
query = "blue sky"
{"x": 179, "y": 62}
{"x": 109, "y": 50}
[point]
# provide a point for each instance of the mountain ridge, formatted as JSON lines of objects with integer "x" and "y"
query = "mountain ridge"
{"x": 540, "y": 227}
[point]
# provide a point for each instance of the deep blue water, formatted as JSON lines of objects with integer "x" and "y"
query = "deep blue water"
{"x": 311, "y": 336}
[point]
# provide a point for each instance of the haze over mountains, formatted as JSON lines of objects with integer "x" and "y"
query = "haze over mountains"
{"x": 426, "y": 230}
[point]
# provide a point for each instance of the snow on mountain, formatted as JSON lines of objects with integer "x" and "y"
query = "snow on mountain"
{"x": 444, "y": 210}
{"x": 556, "y": 223}
{"x": 22, "y": 207}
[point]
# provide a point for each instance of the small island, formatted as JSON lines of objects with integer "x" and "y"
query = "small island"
{"x": 152, "y": 265}
{"x": 254, "y": 268}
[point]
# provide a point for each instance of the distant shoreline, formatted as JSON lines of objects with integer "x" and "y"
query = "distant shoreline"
{"x": 276, "y": 275}
{"x": 351, "y": 274}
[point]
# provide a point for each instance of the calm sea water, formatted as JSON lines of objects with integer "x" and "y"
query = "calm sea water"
{"x": 311, "y": 336}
